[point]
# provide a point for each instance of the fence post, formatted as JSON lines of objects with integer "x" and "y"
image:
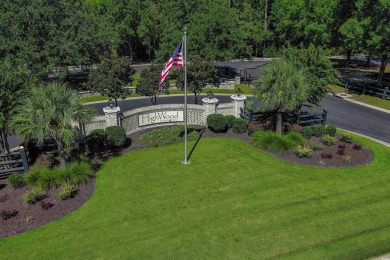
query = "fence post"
{"x": 23, "y": 156}
{"x": 385, "y": 92}
{"x": 324, "y": 116}
{"x": 364, "y": 87}
{"x": 346, "y": 84}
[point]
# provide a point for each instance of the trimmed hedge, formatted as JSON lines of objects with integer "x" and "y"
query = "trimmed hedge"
{"x": 216, "y": 123}
{"x": 230, "y": 120}
{"x": 116, "y": 136}
{"x": 239, "y": 125}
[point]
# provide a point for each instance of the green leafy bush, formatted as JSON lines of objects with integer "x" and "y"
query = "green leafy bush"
{"x": 33, "y": 196}
{"x": 229, "y": 121}
{"x": 330, "y": 130}
{"x": 96, "y": 140}
{"x": 239, "y": 125}
{"x": 318, "y": 130}
{"x": 44, "y": 160}
{"x": 216, "y": 123}
{"x": 328, "y": 140}
{"x": 271, "y": 141}
{"x": 307, "y": 132}
{"x": 16, "y": 181}
{"x": 67, "y": 192}
{"x": 303, "y": 151}
{"x": 168, "y": 135}
{"x": 259, "y": 126}
{"x": 346, "y": 138}
{"x": 116, "y": 136}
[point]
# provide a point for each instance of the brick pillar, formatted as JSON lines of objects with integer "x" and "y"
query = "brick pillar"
{"x": 238, "y": 103}
{"x": 111, "y": 115}
{"x": 210, "y": 107}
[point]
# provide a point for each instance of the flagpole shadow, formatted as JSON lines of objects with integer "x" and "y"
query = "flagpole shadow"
{"x": 196, "y": 143}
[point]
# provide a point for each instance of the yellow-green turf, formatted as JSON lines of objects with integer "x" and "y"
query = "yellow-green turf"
{"x": 233, "y": 201}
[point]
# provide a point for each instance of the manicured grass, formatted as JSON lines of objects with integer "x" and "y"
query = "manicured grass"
{"x": 232, "y": 201}
{"x": 136, "y": 78}
{"x": 375, "y": 101}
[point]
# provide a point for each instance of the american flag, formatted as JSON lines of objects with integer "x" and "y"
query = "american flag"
{"x": 176, "y": 60}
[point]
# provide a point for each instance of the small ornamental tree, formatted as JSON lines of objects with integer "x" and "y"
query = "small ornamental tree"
{"x": 148, "y": 83}
{"x": 199, "y": 73}
{"x": 281, "y": 87}
{"x": 111, "y": 77}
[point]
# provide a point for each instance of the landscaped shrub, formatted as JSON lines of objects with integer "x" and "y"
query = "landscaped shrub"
{"x": 67, "y": 192}
{"x": 6, "y": 214}
{"x": 347, "y": 158}
{"x": 328, "y": 140}
{"x": 341, "y": 152}
{"x": 44, "y": 160}
{"x": 259, "y": 126}
{"x": 168, "y": 135}
{"x": 33, "y": 196}
{"x": 303, "y": 151}
{"x": 315, "y": 146}
{"x": 307, "y": 132}
{"x": 74, "y": 173}
{"x": 239, "y": 125}
{"x": 327, "y": 155}
{"x": 96, "y": 140}
{"x": 271, "y": 141}
{"x": 357, "y": 147}
{"x": 216, "y": 123}
{"x": 288, "y": 127}
{"x": 116, "y": 136}
{"x": 318, "y": 130}
{"x": 229, "y": 121}
{"x": 46, "y": 205}
{"x": 16, "y": 181}
{"x": 346, "y": 138}
{"x": 330, "y": 130}
{"x": 341, "y": 146}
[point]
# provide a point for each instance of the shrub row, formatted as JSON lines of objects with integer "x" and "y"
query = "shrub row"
{"x": 219, "y": 123}
{"x": 113, "y": 136}
{"x": 319, "y": 131}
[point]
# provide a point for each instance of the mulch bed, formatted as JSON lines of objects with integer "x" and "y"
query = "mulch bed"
{"x": 10, "y": 200}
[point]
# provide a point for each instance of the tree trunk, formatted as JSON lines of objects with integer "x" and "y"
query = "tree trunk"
{"x": 196, "y": 99}
{"x": 279, "y": 123}
{"x": 368, "y": 63}
{"x": 382, "y": 68}
{"x": 61, "y": 153}
{"x": 116, "y": 102}
{"x": 4, "y": 137}
{"x": 349, "y": 52}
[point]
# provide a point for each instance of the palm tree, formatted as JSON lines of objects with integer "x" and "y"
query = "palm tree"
{"x": 281, "y": 87}
{"x": 47, "y": 113}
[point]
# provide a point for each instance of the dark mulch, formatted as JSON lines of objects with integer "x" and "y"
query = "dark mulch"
{"x": 357, "y": 157}
{"x": 11, "y": 201}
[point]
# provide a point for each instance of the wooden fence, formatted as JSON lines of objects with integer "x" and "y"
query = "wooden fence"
{"x": 13, "y": 162}
{"x": 367, "y": 88}
{"x": 304, "y": 118}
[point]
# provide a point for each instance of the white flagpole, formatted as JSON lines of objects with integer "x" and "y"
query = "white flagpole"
{"x": 185, "y": 97}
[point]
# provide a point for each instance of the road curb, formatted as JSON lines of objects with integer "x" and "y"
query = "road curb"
{"x": 367, "y": 137}
{"x": 362, "y": 104}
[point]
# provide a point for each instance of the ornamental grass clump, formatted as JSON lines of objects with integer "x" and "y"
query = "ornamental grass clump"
{"x": 303, "y": 151}
{"x": 33, "y": 196}
{"x": 346, "y": 138}
{"x": 328, "y": 140}
{"x": 330, "y": 130}
{"x": 67, "y": 192}
{"x": 269, "y": 140}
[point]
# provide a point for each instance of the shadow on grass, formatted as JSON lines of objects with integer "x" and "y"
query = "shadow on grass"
{"x": 196, "y": 143}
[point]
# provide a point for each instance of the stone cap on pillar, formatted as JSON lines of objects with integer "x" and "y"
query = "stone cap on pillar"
{"x": 238, "y": 97}
{"x": 109, "y": 110}
{"x": 209, "y": 100}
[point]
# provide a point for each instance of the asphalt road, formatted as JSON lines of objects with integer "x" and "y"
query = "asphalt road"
{"x": 341, "y": 113}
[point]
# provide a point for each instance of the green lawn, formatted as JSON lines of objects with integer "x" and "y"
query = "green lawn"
{"x": 232, "y": 201}
{"x": 375, "y": 101}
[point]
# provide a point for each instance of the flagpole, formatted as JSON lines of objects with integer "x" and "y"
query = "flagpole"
{"x": 185, "y": 97}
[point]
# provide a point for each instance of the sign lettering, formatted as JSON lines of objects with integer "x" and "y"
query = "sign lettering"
{"x": 160, "y": 117}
